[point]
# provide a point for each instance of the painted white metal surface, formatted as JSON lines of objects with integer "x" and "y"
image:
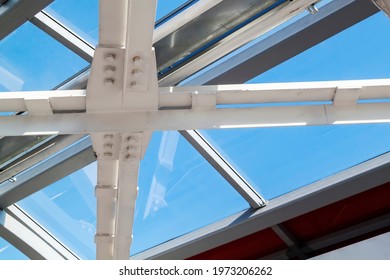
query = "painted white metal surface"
{"x": 112, "y": 23}
{"x": 122, "y": 102}
{"x": 123, "y": 80}
{"x": 182, "y": 97}
{"x": 184, "y": 108}
{"x": 273, "y": 116}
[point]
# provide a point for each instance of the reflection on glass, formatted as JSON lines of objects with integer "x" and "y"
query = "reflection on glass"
{"x": 9, "y": 252}
{"x": 178, "y": 192}
{"x": 67, "y": 209}
{"x": 14, "y": 147}
{"x": 31, "y": 60}
{"x": 80, "y": 16}
{"x": 279, "y": 160}
{"x": 355, "y": 53}
{"x": 164, "y": 7}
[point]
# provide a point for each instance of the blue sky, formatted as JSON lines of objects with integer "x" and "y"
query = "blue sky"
{"x": 179, "y": 190}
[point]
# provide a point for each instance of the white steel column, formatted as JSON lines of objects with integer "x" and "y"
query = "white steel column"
{"x": 123, "y": 80}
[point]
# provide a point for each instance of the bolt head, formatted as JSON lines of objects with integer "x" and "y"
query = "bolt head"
{"x": 136, "y": 58}
{"x": 110, "y": 57}
{"x": 109, "y": 81}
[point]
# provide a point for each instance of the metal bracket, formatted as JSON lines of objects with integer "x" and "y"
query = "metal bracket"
{"x": 346, "y": 96}
{"x": 38, "y": 106}
{"x": 105, "y": 85}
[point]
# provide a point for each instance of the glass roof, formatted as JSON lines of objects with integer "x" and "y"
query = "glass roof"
{"x": 67, "y": 209}
{"x": 168, "y": 184}
{"x": 355, "y": 53}
{"x": 80, "y": 16}
{"x": 30, "y": 60}
{"x": 179, "y": 191}
{"x": 284, "y": 159}
{"x": 9, "y": 252}
{"x": 173, "y": 199}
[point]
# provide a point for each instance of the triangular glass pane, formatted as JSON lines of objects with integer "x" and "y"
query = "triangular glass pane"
{"x": 9, "y": 252}
{"x": 359, "y": 52}
{"x": 81, "y": 17}
{"x": 32, "y": 60}
{"x": 67, "y": 209}
{"x": 278, "y": 160}
{"x": 179, "y": 191}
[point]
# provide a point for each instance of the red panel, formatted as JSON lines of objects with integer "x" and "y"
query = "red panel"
{"x": 325, "y": 220}
{"x": 252, "y": 246}
{"x": 342, "y": 214}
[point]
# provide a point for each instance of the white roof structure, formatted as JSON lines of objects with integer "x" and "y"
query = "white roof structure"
{"x": 186, "y": 76}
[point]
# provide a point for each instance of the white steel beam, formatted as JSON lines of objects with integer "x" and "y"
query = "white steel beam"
{"x": 273, "y": 116}
{"x": 182, "y": 97}
{"x": 196, "y": 108}
{"x": 112, "y": 23}
{"x": 123, "y": 80}
{"x": 60, "y": 100}
{"x": 129, "y": 161}
{"x": 106, "y": 192}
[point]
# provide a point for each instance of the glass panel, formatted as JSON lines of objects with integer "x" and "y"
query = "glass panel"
{"x": 67, "y": 209}
{"x": 9, "y": 252}
{"x": 84, "y": 19}
{"x": 165, "y": 7}
{"x": 31, "y": 60}
{"x": 207, "y": 30}
{"x": 80, "y": 16}
{"x": 278, "y": 160}
{"x": 15, "y": 147}
{"x": 355, "y": 53}
{"x": 178, "y": 192}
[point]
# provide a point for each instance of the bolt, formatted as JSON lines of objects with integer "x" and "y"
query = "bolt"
{"x": 109, "y": 70}
{"x": 131, "y": 148}
{"x": 135, "y": 71}
{"x": 12, "y": 179}
{"x": 110, "y": 57}
{"x": 312, "y": 9}
{"x": 131, "y": 138}
{"x": 109, "y": 81}
{"x": 107, "y": 145}
{"x": 136, "y": 58}
{"x": 133, "y": 83}
{"x": 129, "y": 156}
